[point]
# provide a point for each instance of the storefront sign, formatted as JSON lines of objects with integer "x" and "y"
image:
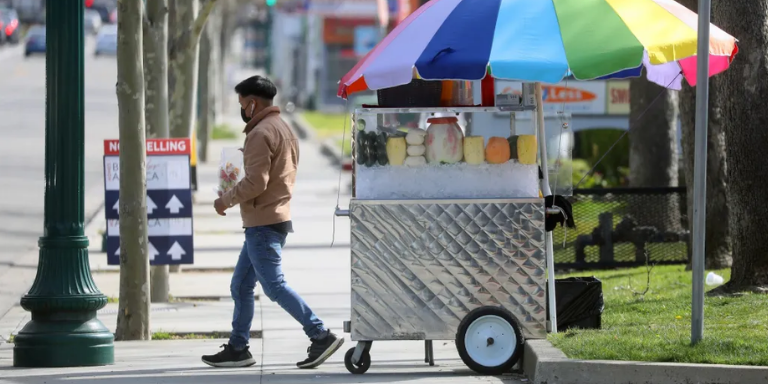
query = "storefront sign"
{"x": 618, "y": 97}
{"x": 347, "y": 8}
{"x": 366, "y": 37}
{"x": 342, "y": 31}
{"x": 576, "y": 97}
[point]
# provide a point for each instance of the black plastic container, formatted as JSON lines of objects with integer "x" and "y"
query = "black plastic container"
{"x": 579, "y": 303}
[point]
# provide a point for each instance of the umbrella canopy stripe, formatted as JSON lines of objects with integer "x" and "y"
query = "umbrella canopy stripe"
{"x": 596, "y": 40}
{"x": 354, "y": 77}
{"x": 543, "y": 40}
{"x": 394, "y": 65}
{"x": 537, "y": 53}
{"x": 664, "y": 36}
{"x": 720, "y": 42}
{"x": 461, "y": 47}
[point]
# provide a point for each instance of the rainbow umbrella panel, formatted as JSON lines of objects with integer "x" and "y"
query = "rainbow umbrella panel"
{"x": 541, "y": 40}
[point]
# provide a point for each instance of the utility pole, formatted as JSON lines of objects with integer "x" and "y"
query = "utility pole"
{"x": 64, "y": 330}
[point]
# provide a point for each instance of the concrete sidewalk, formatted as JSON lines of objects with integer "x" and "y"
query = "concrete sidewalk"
{"x": 178, "y": 361}
{"x": 202, "y": 306}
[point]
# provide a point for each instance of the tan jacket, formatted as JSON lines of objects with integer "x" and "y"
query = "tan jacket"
{"x": 271, "y": 159}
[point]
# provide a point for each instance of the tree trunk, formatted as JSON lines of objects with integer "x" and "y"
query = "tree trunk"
{"x": 653, "y": 158}
{"x": 156, "y": 98}
{"x": 228, "y": 21}
{"x": 205, "y": 82}
{"x": 133, "y": 314}
{"x": 183, "y": 70}
{"x": 742, "y": 91}
{"x": 156, "y": 68}
{"x": 182, "y": 58}
{"x": 718, "y": 241}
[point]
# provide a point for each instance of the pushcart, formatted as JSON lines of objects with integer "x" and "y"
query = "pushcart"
{"x": 466, "y": 263}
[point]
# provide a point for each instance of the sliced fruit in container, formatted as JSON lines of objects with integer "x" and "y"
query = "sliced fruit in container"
{"x": 497, "y": 150}
{"x": 396, "y": 150}
{"x": 474, "y": 153}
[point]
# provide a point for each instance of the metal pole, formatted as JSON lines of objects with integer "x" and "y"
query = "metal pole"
{"x": 64, "y": 330}
{"x": 546, "y": 191}
{"x": 700, "y": 173}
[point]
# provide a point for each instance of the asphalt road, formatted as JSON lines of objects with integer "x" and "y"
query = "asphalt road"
{"x": 22, "y": 143}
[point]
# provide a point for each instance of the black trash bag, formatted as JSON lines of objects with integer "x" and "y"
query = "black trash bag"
{"x": 579, "y": 303}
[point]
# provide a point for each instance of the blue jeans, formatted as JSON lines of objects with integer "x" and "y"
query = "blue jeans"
{"x": 260, "y": 261}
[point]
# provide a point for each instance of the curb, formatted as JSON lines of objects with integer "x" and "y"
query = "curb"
{"x": 545, "y": 364}
{"x": 306, "y": 133}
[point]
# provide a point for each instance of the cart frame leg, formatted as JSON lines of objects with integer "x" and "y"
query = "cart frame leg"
{"x": 429, "y": 354}
{"x": 362, "y": 347}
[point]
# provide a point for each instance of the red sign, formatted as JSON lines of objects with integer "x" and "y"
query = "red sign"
{"x": 342, "y": 31}
{"x": 154, "y": 147}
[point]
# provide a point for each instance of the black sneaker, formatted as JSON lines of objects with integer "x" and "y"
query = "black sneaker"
{"x": 321, "y": 349}
{"x": 230, "y": 357}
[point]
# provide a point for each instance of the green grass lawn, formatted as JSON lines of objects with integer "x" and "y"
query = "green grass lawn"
{"x": 657, "y": 325}
{"x": 223, "y": 132}
{"x": 331, "y": 126}
{"x": 328, "y": 125}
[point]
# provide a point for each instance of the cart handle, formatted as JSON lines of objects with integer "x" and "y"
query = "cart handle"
{"x": 341, "y": 212}
{"x": 553, "y": 211}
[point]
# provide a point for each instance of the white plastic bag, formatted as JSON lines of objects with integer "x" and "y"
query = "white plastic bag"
{"x": 230, "y": 169}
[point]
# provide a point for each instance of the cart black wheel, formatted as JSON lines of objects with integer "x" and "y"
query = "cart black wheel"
{"x": 489, "y": 340}
{"x": 361, "y": 366}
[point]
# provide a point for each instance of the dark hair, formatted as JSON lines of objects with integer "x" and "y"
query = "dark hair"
{"x": 256, "y": 86}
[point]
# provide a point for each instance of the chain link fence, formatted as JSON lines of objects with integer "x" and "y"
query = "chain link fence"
{"x": 623, "y": 227}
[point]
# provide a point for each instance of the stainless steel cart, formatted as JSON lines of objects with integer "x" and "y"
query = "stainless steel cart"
{"x": 471, "y": 270}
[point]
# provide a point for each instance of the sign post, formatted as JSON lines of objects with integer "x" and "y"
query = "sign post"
{"x": 169, "y": 201}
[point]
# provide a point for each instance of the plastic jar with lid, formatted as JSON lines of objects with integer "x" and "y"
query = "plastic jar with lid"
{"x": 445, "y": 140}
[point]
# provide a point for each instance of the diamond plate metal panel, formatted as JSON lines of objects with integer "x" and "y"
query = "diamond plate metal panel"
{"x": 418, "y": 267}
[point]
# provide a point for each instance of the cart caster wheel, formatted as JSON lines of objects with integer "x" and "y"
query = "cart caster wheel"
{"x": 489, "y": 340}
{"x": 361, "y": 366}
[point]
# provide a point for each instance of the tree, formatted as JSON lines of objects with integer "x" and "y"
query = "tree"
{"x": 206, "y": 81}
{"x": 133, "y": 314}
{"x": 653, "y": 158}
{"x": 155, "y": 31}
{"x": 185, "y": 30}
{"x": 742, "y": 90}
{"x": 718, "y": 241}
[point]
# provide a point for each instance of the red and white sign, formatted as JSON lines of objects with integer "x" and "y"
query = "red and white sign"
{"x": 154, "y": 147}
{"x": 577, "y": 97}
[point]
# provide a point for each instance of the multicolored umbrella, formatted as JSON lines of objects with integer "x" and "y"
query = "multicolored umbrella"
{"x": 541, "y": 40}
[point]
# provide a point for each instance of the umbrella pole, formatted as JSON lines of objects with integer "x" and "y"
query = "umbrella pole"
{"x": 546, "y": 191}
{"x": 700, "y": 172}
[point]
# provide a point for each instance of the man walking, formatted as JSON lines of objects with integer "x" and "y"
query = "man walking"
{"x": 270, "y": 157}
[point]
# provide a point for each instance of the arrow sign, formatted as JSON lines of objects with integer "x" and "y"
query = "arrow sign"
{"x": 117, "y": 251}
{"x": 176, "y": 251}
{"x": 152, "y": 251}
{"x": 174, "y": 204}
{"x": 150, "y": 205}
{"x": 116, "y": 207}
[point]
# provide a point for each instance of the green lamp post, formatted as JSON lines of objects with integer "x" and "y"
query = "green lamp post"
{"x": 64, "y": 330}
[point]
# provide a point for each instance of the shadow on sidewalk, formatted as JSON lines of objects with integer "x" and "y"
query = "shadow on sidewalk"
{"x": 287, "y": 247}
{"x": 381, "y": 372}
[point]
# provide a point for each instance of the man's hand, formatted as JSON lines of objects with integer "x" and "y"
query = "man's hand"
{"x": 219, "y": 206}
